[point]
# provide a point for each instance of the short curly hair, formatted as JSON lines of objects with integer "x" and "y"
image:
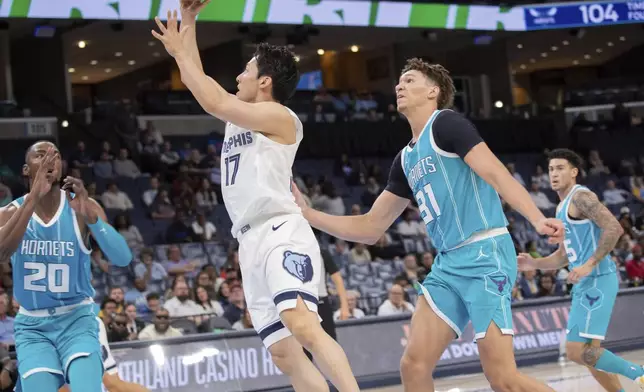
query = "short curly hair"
{"x": 439, "y": 75}
{"x": 278, "y": 62}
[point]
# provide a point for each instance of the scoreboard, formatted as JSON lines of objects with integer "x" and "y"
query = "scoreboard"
{"x": 587, "y": 14}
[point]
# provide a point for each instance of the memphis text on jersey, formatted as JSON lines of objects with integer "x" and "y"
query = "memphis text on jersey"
{"x": 421, "y": 169}
{"x": 47, "y": 248}
{"x": 237, "y": 140}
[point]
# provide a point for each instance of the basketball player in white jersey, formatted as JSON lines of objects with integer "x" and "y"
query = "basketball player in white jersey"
{"x": 279, "y": 255}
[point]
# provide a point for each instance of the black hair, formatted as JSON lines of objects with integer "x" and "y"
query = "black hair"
{"x": 278, "y": 63}
{"x": 572, "y": 157}
{"x": 34, "y": 145}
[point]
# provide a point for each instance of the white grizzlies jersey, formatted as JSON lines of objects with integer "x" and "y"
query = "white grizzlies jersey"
{"x": 256, "y": 176}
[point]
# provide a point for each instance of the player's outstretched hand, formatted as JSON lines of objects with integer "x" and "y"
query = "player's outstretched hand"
{"x": 171, "y": 36}
{"x": 44, "y": 176}
{"x": 191, "y": 8}
{"x": 299, "y": 199}
{"x": 80, "y": 201}
{"x": 525, "y": 262}
{"x": 553, "y": 228}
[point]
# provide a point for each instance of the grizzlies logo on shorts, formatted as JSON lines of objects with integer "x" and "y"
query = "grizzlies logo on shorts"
{"x": 298, "y": 265}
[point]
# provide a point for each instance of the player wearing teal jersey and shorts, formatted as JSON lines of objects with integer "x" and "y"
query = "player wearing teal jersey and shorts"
{"x": 591, "y": 233}
{"x": 456, "y": 180}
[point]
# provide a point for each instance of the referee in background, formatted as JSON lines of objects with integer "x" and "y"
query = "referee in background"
{"x": 324, "y": 304}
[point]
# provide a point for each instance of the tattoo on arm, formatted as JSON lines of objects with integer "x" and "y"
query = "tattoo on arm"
{"x": 590, "y": 355}
{"x": 589, "y": 206}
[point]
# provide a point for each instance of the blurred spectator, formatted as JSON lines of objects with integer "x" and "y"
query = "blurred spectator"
{"x": 151, "y": 194}
{"x": 170, "y": 157}
{"x": 356, "y": 209}
{"x": 635, "y": 266}
{"x": 340, "y": 253}
{"x": 134, "y": 324}
{"x": 204, "y": 280}
{"x": 359, "y": 254}
{"x": 597, "y": 166}
{"x": 151, "y": 272}
{"x": 352, "y": 301}
{"x": 613, "y": 195}
{"x": 106, "y": 148}
{"x": 5, "y": 195}
{"x": 541, "y": 178}
{"x": 6, "y": 322}
{"x": 411, "y": 267}
{"x": 100, "y": 269}
{"x": 183, "y": 197}
{"x": 384, "y": 249}
{"x": 80, "y": 158}
{"x": 539, "y": 198}
{"x": 161, "y": 207}
{"x": 154, "y": 302}
{"x": 516, "y": 293}
{"x": 103, "y": 168}
{"x": 108, "y": 309}
{"x": 117, "y": 329}
{"x": 529, "y": 284}
{"x": 412, "y": 232}
{"x": 8, "y": 371}
{"x": 203, "y": 230}
{"x": 244, "y": 323}
{"x": 177, "y": 265}
{"x": 206, "y": 303}
{"x": 329, "y": 201}
{"x": 371, "y": 193}
{"x": 115, "y": 199}
{"x": 637, "y": 189}
{"x": 161, "y": 328}
{"x": 427, "y": 262}
{"x": 118, "y": 296}
{"x": 517, "y": 176}
{"x": 223, "y": 293}
{"x": 206, "y": 196}
{"x": 131, "y": 233}
{"x": 178, "y": 231}
{"x": 137, "y": 295}
{"x": 124, "y": 166}
{"x": 396, "y": 303}
{"x": 181, "y": 305}
{"x": 548, "y": 287}
{"x": 236, "y": 306}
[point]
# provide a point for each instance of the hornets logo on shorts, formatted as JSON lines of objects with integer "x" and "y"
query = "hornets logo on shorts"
{"x": 299, "y": 265}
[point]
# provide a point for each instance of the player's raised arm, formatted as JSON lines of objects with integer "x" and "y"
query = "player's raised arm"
{"x": 366, "y": 228}
{"x": 266, "y": 117}
{"x": 587, "y": 205}
{"x": 189, "y": 11}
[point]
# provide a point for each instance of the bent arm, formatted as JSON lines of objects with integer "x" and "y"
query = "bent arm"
{"x": 554, "y": 261}
{"x": 112, "y": 243}
{"x": 366, "y": 228}
{"x": 13, "y": 224}
{"x": 266, "y": 117}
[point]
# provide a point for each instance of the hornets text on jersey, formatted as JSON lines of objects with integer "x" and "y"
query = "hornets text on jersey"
{"x": 454, "y": 202}
{"x": 582, "y": 236}
{"x": 51, "y": 267}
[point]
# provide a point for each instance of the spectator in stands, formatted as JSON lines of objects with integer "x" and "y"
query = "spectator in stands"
{"x": 203, "y": 279}
{"x": 427, "y": 262}
{"x": 206, "y": 196}
{"x": 180, "y": 305}
{"x": 100, "y": 268}
{"x": 237, "y": 304}
{"x": 207, "y": 304}
{"x": 80, "y": 158}
{"x": 177, "y": 265}
{"x": 516, "y": 293}
{"x": 517, "y": 176}
{"x": 396, "y": 303}
{"x": 124, "y": 166}
{"x": 384, "y": 249}
{"x": 161, "y": 328}
{"x": 15, "y": 307}
{"x": 223, "y": 293}
{"x": 178, "y": 231}
{"x": 356, "y": 209}
{"x": 154, "y": 303}
{"x": 118, "y": 296}
{"x": 412, "y": 232}
{"x": 548, "y": 287}
{"x": 352, "y": 301}
{"x": 371, "y": 192}
{"x": 411, "y": 267}
{"x": 529, "y": 284}
{"x": 115, "y": 199}
{"x": 635, "y": 267}
{"x": 330, "y": 202}
{"x": 108, "y": 309}
{"x": 340, "y": 253}
{"x": 170, "y": 157}
{"x": 613, "y": 195}
{"x": 131, "y": 233}
{"x": 91, "y": 191}
{"x": 151, "y": 272}
{"x": 162, "y": 208}
{"x": 134, "y": 324}
{"x": 359, "y": 254}
{"x": 597, "y": 166}
{"x": 637, "y": 189}
{"x": 203, "y": 229}
{"x": 137, "y": 295}
{"x": 103, "y": 168}
{"x": 151, "y": 194}
{"x": 5, "y": 195}
{"x": 6, "y": 322}
{"x": 244, "y": 323}
{"x": 539, "y": 198}
{"x": 117, "y": 329}
{"x": 106, "y": 148}
{"x": 541, "y": 178}
{"x": 8, "y": 371}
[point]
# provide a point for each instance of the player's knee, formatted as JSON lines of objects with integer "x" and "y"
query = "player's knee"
{"x": 501, "y": 381}
{"x": 282, "y": 357}
{"x": 413, "y": 366}
{"x": 304, "y": 327}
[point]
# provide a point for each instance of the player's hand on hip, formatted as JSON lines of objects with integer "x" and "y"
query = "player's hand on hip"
{"x": 579, "y": 273}
{"x": 171, "y": 36}
{"x": 45, "y": 175}
{"x": 553, "y": 228}
{"x": 299, "y": 199}
{"x": 191, "y": 8}
{"x": 525, "y": 262}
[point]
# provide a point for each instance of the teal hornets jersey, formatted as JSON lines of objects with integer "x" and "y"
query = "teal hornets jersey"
{"x": 52, "y": 266}
{"x": 582, "y": 236}
{"x": 454, "y": 202}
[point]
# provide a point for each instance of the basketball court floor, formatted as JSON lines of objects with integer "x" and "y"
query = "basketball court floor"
{"x": 562, "y": 378}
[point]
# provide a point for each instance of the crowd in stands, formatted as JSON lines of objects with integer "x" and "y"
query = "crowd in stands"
{"x": 185, "y": 276}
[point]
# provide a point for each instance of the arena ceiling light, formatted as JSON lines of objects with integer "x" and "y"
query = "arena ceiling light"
{"x": 609, "y": 43}
{"x": 82, "y": 44}
{"x": 598, "y": 50}
{"x": 71, "y": 70}
{"x": 554, "y": 48}
{"x": 522, "y": 66}
{"x": 156, "y": 54}
{"x": 85, "y": 77}
{"x": 93, "y": 62}
{"x": 622, "y": 38}
{"x": 544, "y": 54}
{"x": 565, "y": 43}
{"x": 64, "y": 124}
{"x": 151, "y": 43}
{"x": 297, "y": 58}
{"x": 131, "y": 62}
{"x": 575, "y": 62}
{"x": 320, "y": 52}
{"x": 118, "y": 54}
{"x": 498, "y": 104}
{"x": 355, "y": 48}
{"x": 587, "y": 56}
{"x": 519, "y": 46}
{"x": 533, "y": 61}
{"x": 108, "y": 70}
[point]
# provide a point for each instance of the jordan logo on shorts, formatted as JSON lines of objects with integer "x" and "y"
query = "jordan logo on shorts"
{"x": 481, "y": 254}
{"x": 592, "y": 300}
{"x": 298, "y": 265}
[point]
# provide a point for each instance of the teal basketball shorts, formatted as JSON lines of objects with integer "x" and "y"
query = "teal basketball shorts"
{"x": 592, "y": 304}
{"x": 474, "y": 283}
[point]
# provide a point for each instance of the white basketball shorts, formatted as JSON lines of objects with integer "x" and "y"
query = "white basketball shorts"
{"x": 280, "y": 260}
{"x": 109, "y": 364}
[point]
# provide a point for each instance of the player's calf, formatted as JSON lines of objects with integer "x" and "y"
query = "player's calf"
{"x": 289, "y": 357}
{"x": 593, "y": 356}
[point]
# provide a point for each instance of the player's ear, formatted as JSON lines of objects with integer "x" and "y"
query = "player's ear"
{"x": 433, "y": 92}
{"x": 265, "y": 81}
{"x": 25, "y": 170}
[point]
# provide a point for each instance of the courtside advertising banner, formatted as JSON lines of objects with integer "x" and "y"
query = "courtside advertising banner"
{"x": 374, "y": 349}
